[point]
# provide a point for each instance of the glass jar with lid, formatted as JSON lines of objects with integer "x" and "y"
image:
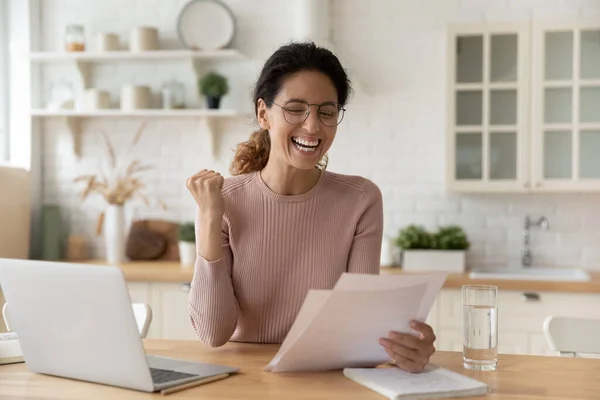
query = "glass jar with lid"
{"x": 74, "y": 38}
{"x": 173, "y": 95}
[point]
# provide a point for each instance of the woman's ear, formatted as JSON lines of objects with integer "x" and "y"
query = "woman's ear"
{"x": 262, "y": 114}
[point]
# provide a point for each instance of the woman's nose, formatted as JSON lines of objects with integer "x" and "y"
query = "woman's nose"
{"x": 312, "y": 122}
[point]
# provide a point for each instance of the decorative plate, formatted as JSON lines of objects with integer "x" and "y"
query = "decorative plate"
{"x": 205, "y": 25}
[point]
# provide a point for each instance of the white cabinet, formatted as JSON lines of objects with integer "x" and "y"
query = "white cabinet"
{"x": 488, "y": 90}
{"x": 538, "y": 345}
{"x": 566, "y": 123}
{"x": 433, "y": 317}
{"x": 169, "y": 303}
{"x": 520, "y": 318}
{"x": 522, "y": 110}
{"x": 140, "y": 292}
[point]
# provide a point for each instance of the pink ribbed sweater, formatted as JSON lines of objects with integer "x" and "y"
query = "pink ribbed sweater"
{"x": 276, "y": 248}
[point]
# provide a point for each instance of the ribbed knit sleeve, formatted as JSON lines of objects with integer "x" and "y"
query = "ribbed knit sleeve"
{"x": 365, "y": 253}
{"x": 213, "y": 306}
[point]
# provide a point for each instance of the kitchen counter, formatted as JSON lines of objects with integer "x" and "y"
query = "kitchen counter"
{"x": 173, "y": 272}
{"x": 152, "y": 271}
{"x": 455, "y": 281}
{"x": 518, "y": 377}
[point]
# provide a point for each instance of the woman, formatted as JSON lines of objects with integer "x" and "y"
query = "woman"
{"x": 282, "y": 224}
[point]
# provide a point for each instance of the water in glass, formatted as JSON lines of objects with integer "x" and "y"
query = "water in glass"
{"x": 480, "y": 327}
{"x": 480, "y": 350}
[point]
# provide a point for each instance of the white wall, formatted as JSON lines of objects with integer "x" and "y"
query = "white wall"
{"x": 3, "y": 81}
{"x": 393, "y": 132}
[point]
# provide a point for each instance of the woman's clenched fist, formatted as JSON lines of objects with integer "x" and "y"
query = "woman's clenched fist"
{"x": 205, "y": 186}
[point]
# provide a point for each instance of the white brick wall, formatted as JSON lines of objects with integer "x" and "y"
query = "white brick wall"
{"x": 393, "y": 132}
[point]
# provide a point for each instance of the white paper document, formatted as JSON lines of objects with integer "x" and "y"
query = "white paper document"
{"x": 434, "y": 382}
{"x": 341, "y": 328}
{"x": 434, "y": 282}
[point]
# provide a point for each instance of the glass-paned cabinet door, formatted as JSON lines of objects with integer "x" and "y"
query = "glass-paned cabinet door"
{"x": 487, "y": 97}
{"x": 567, "y": 104}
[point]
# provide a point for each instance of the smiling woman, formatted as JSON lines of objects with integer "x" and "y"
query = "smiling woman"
{"x": 283, "y": 225}
{"x": 310, "y": 72}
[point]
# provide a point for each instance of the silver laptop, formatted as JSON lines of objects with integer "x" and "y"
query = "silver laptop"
{"x": 76, "y": 321}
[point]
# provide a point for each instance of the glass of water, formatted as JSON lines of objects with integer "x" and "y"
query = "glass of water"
{"x": 480, "y": 327}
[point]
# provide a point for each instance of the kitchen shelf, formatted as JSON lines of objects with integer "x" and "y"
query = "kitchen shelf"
{"x": 72, "y": 119}
{"x": 146, "y": 113}
{"x": 83, "y": 60}
{"x": 83, "y": 63}
{"x": 154, "y": 55}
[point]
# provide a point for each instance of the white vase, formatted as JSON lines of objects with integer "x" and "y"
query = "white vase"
{"x": 187, "y": 253}
{"x": 387, "y": 252}
{"x": 114, "y": 234}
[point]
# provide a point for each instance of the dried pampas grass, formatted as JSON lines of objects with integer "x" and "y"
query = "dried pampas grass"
{"x": 124, "y": 186}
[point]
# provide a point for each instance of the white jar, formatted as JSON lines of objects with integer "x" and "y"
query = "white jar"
{"x": 135, "y": 97}
{"x": 95, "y": 99}
{"x": 107, "y": 42}
{"x": 143, "y": 38}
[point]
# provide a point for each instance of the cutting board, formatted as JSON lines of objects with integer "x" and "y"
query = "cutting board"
{"x": 153, "y": 239}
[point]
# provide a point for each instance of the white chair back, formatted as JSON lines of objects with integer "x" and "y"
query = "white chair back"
{"x": 5, "y": 316}
{"x": 143, "y": 317}
{"x": 141, "y": 311}
{"x": 573, "y": 337}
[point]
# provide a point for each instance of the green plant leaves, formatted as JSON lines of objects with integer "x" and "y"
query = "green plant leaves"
{"x": 451, "y": 238}
{"x": 187, "y": 232}
{"x": 213, "y": 85}
{"x": 416, "y": 237}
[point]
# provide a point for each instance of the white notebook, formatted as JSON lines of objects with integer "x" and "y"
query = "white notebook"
{"x": 433, "y": 383}
{"x": 10, "y": 349}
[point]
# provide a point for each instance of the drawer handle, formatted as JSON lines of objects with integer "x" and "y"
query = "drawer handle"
{"x": 529, "y": 296}
{"x": 186, "y": 287}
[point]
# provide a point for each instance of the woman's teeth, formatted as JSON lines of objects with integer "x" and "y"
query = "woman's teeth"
{"x": 306, "y": 145}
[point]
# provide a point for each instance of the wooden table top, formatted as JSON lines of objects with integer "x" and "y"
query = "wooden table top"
{"x": 517, "y": 378}
{"x": 173, "y": 272}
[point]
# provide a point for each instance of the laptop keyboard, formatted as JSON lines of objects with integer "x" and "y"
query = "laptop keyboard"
{"x": 164, "y": 375}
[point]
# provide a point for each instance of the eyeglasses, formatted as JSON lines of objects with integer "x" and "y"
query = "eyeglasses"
{"x": 296, "y": 112}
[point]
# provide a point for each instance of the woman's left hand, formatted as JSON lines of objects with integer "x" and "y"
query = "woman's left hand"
{"x": 408, "y": 352}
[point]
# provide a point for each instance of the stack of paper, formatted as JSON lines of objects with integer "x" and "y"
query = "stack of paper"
{"x": 434, "y": 382}
{"x": 10, "y": 349}
{"x": 341, "y": 328}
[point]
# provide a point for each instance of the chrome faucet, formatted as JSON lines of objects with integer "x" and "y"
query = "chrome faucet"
{"x": 542, "y": 223}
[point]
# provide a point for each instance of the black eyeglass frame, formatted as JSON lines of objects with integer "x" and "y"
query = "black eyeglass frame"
{"x": 284, "y": 108}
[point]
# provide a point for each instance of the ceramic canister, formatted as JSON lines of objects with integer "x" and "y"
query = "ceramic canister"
{"x": 107, "y": 42}
{"x": 135, "y": 97}
{"x": 143, "y": 38}
{"x": 95, "y": 99}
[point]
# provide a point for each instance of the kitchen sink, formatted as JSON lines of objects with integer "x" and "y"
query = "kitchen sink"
{"x": 531, "y": 273}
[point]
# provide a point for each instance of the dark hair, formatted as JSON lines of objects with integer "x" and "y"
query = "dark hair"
{"x": 289, "y": 59}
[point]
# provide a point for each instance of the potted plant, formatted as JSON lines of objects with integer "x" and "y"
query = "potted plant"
{"x": 213, "y": 86}
{"x": 187, "y": 244}
{"x": 443, "y": 250}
